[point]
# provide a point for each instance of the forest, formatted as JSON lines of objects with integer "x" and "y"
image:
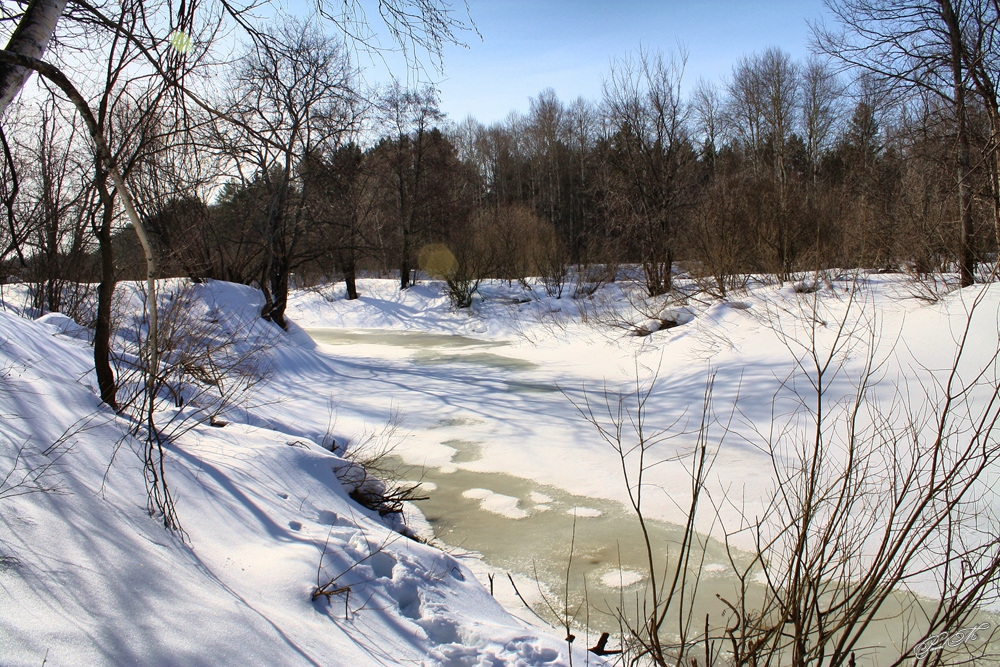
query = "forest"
{"x": 280, "y": 166}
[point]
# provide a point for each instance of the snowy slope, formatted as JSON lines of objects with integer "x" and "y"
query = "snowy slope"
{"x": 90, "y": 579}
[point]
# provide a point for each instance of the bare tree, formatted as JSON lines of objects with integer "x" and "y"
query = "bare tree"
{"x": 981, "y": 55}
{"x": 342, "y": 210}
{"x": 409, "y": 157}
{"x": 819, "y": 99}
{"x": 13, "y": 233}
{"x": 915, "y": 44}
{"x": 544, "y": 135}
{"x": 293, "y": 96}
{"x": 706, "y": 108}
{"x": 650, "y": 157}
{"x": 763, "y": 113}
{"x": 778, "y": 77}
{"x": 53, "y": 211}
{"x": 719, "y": 241}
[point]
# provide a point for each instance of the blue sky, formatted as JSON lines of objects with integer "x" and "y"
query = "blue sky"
{"x": 529, "y": 45}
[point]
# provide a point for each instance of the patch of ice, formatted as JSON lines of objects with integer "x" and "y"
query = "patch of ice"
{"x": 621, "y": 578}
{"x": 497, "y": 503}
{"x": 539, "y": 498}
{"x": 585, "y": 512}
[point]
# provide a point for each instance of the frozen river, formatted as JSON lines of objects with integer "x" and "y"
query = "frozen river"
{"x": 484, "y": 411}
{"x": 516, "y": 523}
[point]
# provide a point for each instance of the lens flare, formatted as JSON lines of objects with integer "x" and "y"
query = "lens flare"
{"x": 181, "y": 41}
{"x": 437, "y": 261}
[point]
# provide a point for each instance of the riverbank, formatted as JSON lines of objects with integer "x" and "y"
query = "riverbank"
{"x": 90, "y": 579}
{"x": 492, "y": 391}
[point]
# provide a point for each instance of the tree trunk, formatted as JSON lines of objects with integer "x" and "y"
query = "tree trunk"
{"x": 105, "y": 295}
{"x": 404, "y": 262}
{"x": 265, "y": 288}
{"x": 351, "y": 280}
{"x": 274, "y": 276}
{"x": 995, "y": 181}
{"x": 967, "y": 258}
{"x": 279, "y": 291}
{"x": 988, "y": 93}
{"x": 30, "y": 38}
{"x": 977, "y": 64}
{"x": 267, "y": 271}
{"x": 53, "y": 279}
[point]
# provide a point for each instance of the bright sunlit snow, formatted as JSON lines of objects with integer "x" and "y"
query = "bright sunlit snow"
{"x": 505, "y": 506}
{"x": 89, "y": 578}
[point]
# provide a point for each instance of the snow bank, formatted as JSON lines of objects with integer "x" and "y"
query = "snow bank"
{"x": 90, "y": 579}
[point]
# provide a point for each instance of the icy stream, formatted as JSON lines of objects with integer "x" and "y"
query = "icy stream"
{"x": 545, "y": 535}
{"x": 521, "y": 526}
{"x": 559, "y": 546}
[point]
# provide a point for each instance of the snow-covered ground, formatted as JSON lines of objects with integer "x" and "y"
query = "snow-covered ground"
{"x": 88, "y": 578}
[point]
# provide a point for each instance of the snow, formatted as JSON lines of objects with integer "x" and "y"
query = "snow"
{"x": 584, "y": 512}
{"x": 497, "y": 503}
{"x": 621, "y": 578}
{"x": 89, "y": 578}
{"x": 92, "y": 579}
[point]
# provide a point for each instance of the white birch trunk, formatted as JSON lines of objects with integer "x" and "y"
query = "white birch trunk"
{"x": 29, "y": 39}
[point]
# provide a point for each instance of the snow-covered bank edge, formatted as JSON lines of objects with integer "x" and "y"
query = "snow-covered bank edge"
{"x": 91, "y": 579}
